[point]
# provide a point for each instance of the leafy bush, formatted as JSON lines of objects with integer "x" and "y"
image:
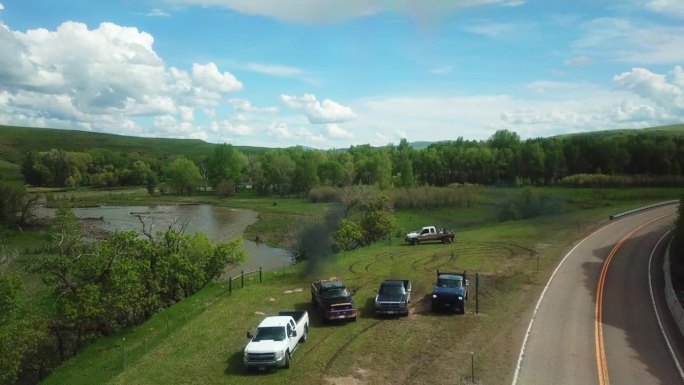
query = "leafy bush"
{"x": 348, "y": 236}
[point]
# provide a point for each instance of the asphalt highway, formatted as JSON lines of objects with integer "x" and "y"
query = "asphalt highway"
{"x": 595, "y": 322}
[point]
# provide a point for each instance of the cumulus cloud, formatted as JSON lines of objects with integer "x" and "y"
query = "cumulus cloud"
{"x": 209, "y": 77}
{"x": 245, "y": 106}
{"x": 110, "y": 74}
{"x": 655, "y": 87}
{"x": 331, "y": 11}
{"x": 1, "y": 7}
{"x": 318, "y": 113}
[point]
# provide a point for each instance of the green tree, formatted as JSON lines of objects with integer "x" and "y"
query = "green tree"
{"x": 331, "y": 173}
{"x": 22, "y": 328}
{"x": 16, "y": 204}
{"x": 184, "y": 176}
{"x": 378, "y": 222}
{"x": 227, "y": 163}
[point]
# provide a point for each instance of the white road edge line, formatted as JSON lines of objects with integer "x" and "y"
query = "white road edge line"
{"x": 655, "y": 309}
{"x": 541, "y": 297}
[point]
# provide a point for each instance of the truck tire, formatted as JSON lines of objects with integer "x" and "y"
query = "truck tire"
{"x": 305, "y": 335}
{"x": 287, "y": 360}
{"x": 446, "y": 240}
{"x": 414, "y": 241}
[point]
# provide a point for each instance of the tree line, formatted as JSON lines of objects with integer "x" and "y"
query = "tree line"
{"x": 503, "y": 159}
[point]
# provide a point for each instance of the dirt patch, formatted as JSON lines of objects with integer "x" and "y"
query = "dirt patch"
{"x": 349, "y": 380}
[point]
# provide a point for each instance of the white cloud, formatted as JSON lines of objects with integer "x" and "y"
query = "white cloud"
{"x": 495, "y": 29}
{"x": 273, "y": 69}
{"x": 334, "y": 131}
{"x": 655, "y": 87}
{"x": 578, "y": 61}
{"x": 2, "y": 7}
{"x": 110, "y": 74}
{"x": 542, "y": 86}
{"x": 226, "y": 126}
{"x": 326, "y": 112}
{"x": 637, "y": 100}
{"x": 278, "y": 130}
{"x": 209, "y": 77}
{"x": 667, "y": 7}
{"x": 156, "y": 12}
{"x": 245, "y": 106}
{"x": 331, "y": 11}
{"x": 633, "y": 42}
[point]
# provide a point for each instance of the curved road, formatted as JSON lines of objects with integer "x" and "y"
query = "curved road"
{"x": 595, "y": 321}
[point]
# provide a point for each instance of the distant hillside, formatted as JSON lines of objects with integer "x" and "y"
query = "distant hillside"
{"x": 15, "y": 142}
{"x": 671, "y": 130}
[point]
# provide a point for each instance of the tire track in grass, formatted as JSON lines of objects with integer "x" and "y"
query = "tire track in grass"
{"x": 313, "y": 348}
{"x": 414, "y": 264}
{"x": 344, "y": 346}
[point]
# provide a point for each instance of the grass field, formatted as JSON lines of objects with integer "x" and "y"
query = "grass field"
{"x": 200, "y": 340}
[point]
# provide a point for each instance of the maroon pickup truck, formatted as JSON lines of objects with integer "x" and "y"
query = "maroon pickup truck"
{"x": 332, "y": 300}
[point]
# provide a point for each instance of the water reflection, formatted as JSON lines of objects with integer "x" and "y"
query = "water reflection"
{"x": 219, "y": 223}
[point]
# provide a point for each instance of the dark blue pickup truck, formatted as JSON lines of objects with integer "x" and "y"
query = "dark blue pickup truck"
{"x": 450, "y": 292}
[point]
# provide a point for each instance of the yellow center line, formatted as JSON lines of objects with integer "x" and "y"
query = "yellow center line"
{"x": 598, "y": 330}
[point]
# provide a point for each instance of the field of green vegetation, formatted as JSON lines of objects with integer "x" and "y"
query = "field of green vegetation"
{"x": 200, "y": 339}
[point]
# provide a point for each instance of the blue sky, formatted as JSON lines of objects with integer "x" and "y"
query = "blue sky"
{"x": 329, "y": 74}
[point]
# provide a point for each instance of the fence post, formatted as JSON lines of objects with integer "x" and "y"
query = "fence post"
{"x": 230, "y": 285}
{"x": 260, "y": 273}
{"x": 242, "y": 278}
{"x": 477, "y": 291}
{"x": 472, "y": 367}
{"x": 123, "y": 354}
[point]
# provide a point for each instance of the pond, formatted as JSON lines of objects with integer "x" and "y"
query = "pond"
{"x": 219, "y": 223}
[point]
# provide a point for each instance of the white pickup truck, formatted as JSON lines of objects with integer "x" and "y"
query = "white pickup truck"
{"x": 430, "y": 233}
{"x": 275, "y": 339}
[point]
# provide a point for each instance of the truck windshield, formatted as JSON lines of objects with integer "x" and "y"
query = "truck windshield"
{"x": 275, "y": 333}
{"x": 392, "y": 289}
{"x": 337, "y": 292}
{"x": 449, "y": 282}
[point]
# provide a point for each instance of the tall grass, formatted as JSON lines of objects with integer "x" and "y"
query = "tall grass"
{"x": 435, "y": 197}
{"x": 602, "y": 180}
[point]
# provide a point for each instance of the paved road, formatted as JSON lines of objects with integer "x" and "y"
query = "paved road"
{"x": 578, "y": 328}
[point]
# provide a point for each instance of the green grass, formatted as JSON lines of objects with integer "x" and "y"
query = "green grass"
{"x": 200, "y": 340}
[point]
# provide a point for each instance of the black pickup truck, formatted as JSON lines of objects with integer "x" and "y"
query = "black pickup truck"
{"x": 393, "y": 297}
{"x": 332, "y": 300}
